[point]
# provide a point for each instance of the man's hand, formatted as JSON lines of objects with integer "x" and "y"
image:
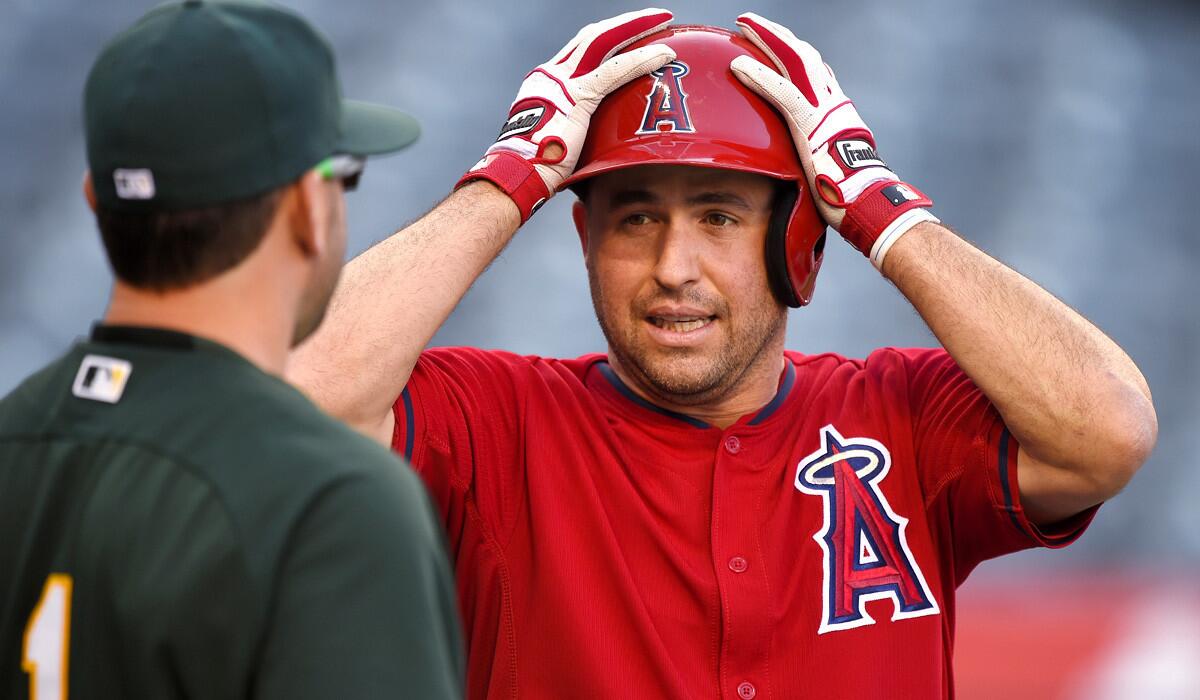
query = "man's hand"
{"x": 539, "y": 144}
{"x": 857, "y": 194}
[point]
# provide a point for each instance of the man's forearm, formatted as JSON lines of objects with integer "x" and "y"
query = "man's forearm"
{"x": 1068, "y": 393}
{"x": 392, "y": 299}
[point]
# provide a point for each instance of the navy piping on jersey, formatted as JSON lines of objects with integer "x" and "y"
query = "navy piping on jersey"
{"x": 1004, "y": 487}
{"x": 789, "y": 378}
{"x": 409, "y": 428}
{"x": 619, "y": 385}
{"x": 1008, "y": 498}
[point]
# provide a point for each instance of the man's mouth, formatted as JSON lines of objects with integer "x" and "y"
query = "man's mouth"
{"x": 680, "y": 324}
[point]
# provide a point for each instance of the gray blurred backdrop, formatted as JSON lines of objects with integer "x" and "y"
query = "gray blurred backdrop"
{"x": 1056, "y": 135}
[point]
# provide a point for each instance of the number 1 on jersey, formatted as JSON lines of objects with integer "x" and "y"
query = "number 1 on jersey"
{"x": 47, "y": 639}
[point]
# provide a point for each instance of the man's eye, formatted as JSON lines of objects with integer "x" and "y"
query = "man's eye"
{"x": 637, "y": 220}
{"x": 716, "y": 219}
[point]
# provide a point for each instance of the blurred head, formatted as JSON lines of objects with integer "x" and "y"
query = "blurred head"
{"x": 697, "y": 225}
{"x": 210, "y": 125}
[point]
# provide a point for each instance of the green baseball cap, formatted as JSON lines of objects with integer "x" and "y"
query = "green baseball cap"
{"x": 208, "y": 101}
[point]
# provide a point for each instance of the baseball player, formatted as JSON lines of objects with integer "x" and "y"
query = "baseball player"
{"x": 179, "y": 522}
{"x": 699, "y": 512}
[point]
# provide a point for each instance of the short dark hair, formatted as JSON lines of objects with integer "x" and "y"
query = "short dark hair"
{"x": 168, "y": 250}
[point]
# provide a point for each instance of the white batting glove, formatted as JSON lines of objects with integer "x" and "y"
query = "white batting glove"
{"x": 858, "y": 195}
{"x": 556, "y": 102}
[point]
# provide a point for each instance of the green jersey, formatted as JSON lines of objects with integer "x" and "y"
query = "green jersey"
{"x": 176, "y": 523}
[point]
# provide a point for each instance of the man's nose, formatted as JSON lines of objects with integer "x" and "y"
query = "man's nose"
{"x": 679, "y": 254}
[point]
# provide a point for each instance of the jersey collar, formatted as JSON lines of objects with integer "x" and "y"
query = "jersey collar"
{"x": 785, "y": 389}
{"x": 786, "y": 382}
{"x": 142, "y": 335}
{"x": 160, "y": 339}
{"x": 628, "y": 393}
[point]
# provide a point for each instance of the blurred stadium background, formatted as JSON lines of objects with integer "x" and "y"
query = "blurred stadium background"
{"x": 1057, "y": 136}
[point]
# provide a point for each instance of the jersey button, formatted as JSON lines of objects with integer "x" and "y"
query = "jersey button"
{"x": 737, "y": 565}
{"x": 733, "y": 445}
{"x": 746, "y": 690}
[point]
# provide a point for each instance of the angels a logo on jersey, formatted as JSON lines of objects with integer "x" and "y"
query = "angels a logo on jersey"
{"x": 866, "y": 553}
{"x": 666, "y": 105}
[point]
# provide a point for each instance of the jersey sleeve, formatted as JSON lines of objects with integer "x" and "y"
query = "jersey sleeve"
{"x": 967, "y": 461}
{"x": 458, "y": 425}
{"x": 364, "y": 601}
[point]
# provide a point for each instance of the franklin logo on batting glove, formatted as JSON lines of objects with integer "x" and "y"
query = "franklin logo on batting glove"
{"x": 858, "y": 153}
{"x": 522, "y": 122}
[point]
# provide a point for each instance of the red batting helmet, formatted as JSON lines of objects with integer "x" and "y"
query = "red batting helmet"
{"x": 694, "y": 111}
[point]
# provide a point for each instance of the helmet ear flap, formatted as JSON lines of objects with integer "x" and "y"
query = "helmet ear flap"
{"x": 818, "y": 256}
{"x": 777, "y": 253}
{"x": 795, "y": 246}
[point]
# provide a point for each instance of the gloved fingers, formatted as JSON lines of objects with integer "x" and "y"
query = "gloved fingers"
{"x": 809, "y": 124}
{"x": 540, "y": 85}
{"x": 767, "y": 83}
{"x": 795, "y": 58}
{"x": 771, "y": 86}
{"x": 831, "y": 82}
{"x": 598, "y": 41}
{"x": 619, "y": 70}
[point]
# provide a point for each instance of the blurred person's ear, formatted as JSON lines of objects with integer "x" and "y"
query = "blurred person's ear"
{"x": 89, "y": 192}
{"x": 308, "y": 201}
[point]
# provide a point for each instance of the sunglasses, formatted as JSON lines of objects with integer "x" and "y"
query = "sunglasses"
{"x": 346, "y": 168}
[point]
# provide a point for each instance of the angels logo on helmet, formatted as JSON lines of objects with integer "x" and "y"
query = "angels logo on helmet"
{"x": 666, "y": 105}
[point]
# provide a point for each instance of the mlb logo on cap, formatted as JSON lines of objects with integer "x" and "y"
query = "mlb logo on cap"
{"x": 134, "y": 184}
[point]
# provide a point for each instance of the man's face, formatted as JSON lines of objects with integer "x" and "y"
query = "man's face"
{"x": 676, "y": 264}
{"x": 328, "y": 266}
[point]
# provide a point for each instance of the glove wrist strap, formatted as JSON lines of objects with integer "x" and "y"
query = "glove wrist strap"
{"x": 884, "y": 211}
{"x": 515, "y": 176}
{"x": 900, "y": 226}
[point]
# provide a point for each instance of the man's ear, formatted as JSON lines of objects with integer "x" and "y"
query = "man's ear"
{"x": 579, "y": 215}
{"x": 307, "y": 202}
{"x": 89, "y": 190}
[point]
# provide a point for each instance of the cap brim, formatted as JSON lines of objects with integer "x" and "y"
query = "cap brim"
{"x": 371, "y": 129}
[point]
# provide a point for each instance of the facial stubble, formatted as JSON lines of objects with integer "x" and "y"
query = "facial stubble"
{"x": 666, "y": 375}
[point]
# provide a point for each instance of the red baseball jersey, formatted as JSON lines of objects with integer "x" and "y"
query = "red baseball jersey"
{"x": 608, "y": 548}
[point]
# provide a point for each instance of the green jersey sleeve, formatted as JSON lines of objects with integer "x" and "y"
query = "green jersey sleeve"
{"x": 364, "y": 604}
